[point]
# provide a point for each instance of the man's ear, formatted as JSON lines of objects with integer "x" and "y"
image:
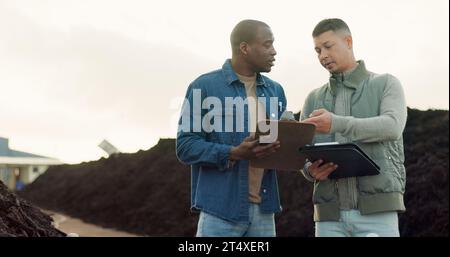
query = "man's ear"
{"x": 243, "y": 46}
{"x": 349, "y": 41}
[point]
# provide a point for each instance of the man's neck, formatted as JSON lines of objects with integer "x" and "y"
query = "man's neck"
{"x": 246, "y": 79}
{"x": 240, "y": 67}
{"x": 348, "y": 70}
{"x": 352, "y": 66}
{"x": 351, "y": 69}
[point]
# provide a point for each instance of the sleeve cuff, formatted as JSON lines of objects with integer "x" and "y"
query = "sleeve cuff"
{"x": 306, "y": 173}
{"x": 224, "y": 156}
{"x": 338, "y": 123}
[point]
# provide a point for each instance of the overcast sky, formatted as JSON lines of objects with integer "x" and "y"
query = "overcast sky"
{"x": 73, "y": 73}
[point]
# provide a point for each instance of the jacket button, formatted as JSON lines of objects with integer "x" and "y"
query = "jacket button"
{"x": 264, "y": 191}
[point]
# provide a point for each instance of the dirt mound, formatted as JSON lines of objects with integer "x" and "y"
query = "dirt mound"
{"x": 149, "y": 192}
{"x": 427, "y": 183}
{"x": 19, "y": 218}
{"x": 144, "y": 193}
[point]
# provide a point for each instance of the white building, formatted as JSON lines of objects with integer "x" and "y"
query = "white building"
{"x": 21, "y": 168}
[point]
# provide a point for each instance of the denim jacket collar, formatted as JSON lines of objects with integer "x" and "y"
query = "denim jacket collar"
{"x": 231, "y": 77}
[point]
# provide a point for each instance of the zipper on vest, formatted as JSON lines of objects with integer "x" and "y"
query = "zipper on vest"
{"x": 350, "y": 191}
{"x": 334, "y": 111}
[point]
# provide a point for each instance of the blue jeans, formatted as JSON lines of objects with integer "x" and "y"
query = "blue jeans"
{"x": 352, "y": 223}
{"x": 261, "y": 225}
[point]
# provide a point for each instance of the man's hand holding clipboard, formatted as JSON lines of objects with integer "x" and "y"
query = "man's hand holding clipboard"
{"x": 292, "y": 135}
{"x": 295, "y": 149}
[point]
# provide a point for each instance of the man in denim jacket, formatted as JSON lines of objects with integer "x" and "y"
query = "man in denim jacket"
{"x": 215, "y": 132}
{"x": 365, "y": 108}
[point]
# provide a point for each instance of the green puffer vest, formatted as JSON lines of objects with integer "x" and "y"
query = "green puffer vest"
{"x": 383, "y": 192}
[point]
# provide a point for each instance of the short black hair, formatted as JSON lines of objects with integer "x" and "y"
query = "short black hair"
{"x": 244, "y": 31}
{"x": 333, "y": 24}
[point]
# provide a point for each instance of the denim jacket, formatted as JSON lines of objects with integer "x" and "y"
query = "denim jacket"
{"x": 217, "y": 187}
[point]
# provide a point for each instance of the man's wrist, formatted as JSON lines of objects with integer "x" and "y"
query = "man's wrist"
{"x": 338, "y": 123}
{"x": 306, "y": 171}
{"x": 233, "y": 156}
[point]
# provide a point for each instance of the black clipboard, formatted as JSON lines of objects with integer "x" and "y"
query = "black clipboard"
{"x": 292, "y": 135}
{"x": 351, "y": 160}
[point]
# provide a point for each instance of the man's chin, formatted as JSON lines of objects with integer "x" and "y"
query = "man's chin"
{"x": 266, "y": 69}
{"x": 332, "y": 70}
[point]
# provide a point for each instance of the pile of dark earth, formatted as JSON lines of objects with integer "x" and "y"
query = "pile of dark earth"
{"x": 148, "y": 192}
{"x": 18, "y": 218}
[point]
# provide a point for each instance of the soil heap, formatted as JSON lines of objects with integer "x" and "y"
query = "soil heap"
{"x": 19, "y": 218}
{"x": 148, "y": 192}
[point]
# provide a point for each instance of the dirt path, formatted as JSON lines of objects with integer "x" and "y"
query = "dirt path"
{"x": 76, "y": 227}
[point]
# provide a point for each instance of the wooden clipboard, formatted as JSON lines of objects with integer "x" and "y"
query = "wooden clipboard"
{"x": 292, "y": 136}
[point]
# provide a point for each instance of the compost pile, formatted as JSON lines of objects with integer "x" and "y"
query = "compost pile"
{"x": 148, "y": 192}
{"x": 18, "y": 218}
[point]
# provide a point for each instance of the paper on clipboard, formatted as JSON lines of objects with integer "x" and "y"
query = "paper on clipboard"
{"x": 292, "y": 135}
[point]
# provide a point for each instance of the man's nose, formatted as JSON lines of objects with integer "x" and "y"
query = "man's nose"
{"x": 323, "y": 55}
{"x": 274, "y": 52}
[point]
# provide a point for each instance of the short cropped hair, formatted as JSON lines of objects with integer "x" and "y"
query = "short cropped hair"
{"x": 244, "y": 31}
{"x": 333, "y": 24}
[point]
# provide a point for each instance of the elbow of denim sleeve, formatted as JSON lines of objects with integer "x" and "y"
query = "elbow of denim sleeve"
{"x": 186, "y": 150}
{"x": 179, "y": 150}
{"x": 192, "y": 150}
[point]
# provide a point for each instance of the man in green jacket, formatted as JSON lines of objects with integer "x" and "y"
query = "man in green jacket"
{"x": 369, "y": 110}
